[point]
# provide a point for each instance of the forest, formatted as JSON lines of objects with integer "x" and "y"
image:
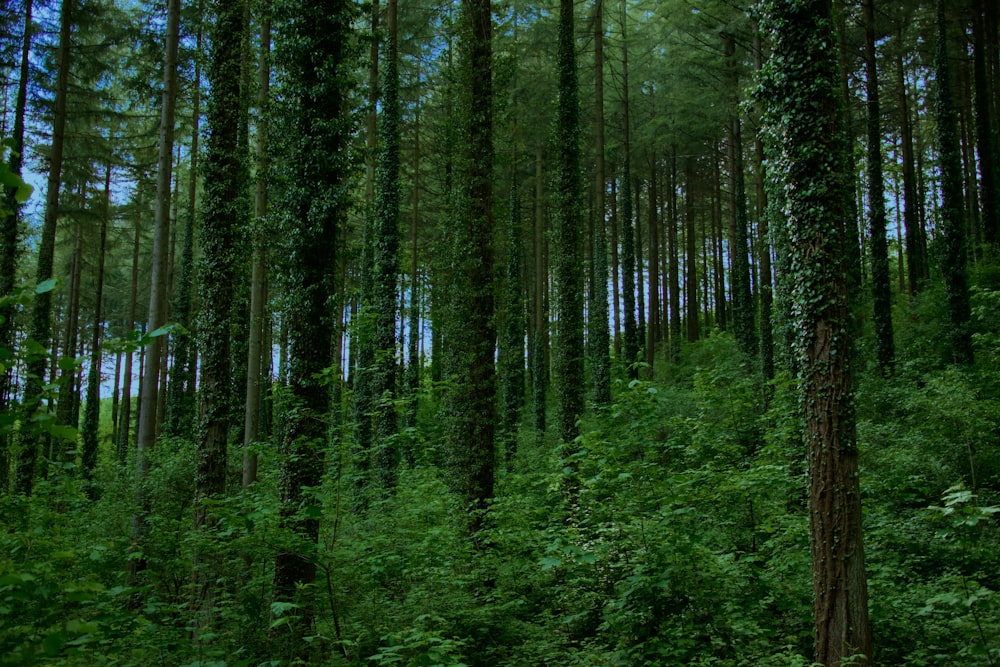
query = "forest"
{"x": 527, "y": 333}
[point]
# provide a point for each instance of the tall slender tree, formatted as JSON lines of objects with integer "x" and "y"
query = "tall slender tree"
{"x": 315, "y": 53}
{"x": 953, "y": 259}
{"x": 385, "y": 263}
{"x": 881, "y": 292}
{"x": 598, "y": 336}
{"x": 739, "y": 273}
{"x": 40, "y": 329}
{"x": 806, "y": 141}
{"x": 221, "y": 214}
{"x": 258, "y": 279}
{"x": 569, "y": 267}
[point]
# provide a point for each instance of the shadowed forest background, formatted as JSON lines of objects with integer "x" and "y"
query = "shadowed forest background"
{"x": 613, "y": 332}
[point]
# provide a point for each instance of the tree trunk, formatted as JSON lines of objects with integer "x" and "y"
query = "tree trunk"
{"x": 953, "y": 260}
{"x": 810, "y": 160}
{"x": 146, "y": 429}
{"x": 92, "y": 413}
{"x": 631, "y": 345}
{"x": 569, "y": 264}
{"x": 881, "y": 290}
{"x": 739, "y": 277}
{"x": 914, "y": 254}
{"x": 41, "y": 326}
{"x": 9, "y": 243}
{"x": 385, "y": 265}
{"x": 540, "y": 342}
{"x": 654, "y": 319}
{"x": 258, "y": 280}
{"x": 314, "y": 62}
{"x": 598, "y": 335}
{"x": 691, "y": 254}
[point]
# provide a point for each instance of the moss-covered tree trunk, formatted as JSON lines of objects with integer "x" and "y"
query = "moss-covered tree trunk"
{"x": 630, "y": 348}
{"x": 806, "y": 139}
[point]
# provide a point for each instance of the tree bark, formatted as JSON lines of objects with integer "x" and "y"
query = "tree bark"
{"x": 954, "y": 258}
{"x": 258, "y": 280}
{"x": 41, "y": 326}
{"x": 809, "y": 156}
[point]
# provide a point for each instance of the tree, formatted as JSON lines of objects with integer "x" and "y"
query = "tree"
{"x": 258, "y": 280}
{"x": 953, "y": 257}
{"x": 385, "y": 264}
{"x": 314, "y": 53}
{"x": 180, "y": 403}
{"x": 91, "y": 417}
{"x": 10, "y": 216}
{"x": 221, "y": 210}
{"x": 739, "y": 274}
{"x": 806, "y": 143}
{"x": 631, "y": 345}
{"x": 472, "y": 332}
{"x": 30, "y": 440}
{"x": 881, "y": 293}
{"x": 148, "y": 417}
{"x": 598, "y": 335}
{"x": 569, "y": 267}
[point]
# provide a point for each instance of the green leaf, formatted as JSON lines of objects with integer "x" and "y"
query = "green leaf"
{"x": 46, "y": 286}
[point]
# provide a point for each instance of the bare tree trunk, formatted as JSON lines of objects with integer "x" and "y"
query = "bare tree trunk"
{"x": 146, "y": 429}
{"x": 258, "y": 289}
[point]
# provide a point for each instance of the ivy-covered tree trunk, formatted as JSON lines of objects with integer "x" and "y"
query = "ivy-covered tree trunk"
{"x": 473, "y": 407}
{"x": 569, "y": 267}
{"x": 881, "y": 292}
{"x": 10, "y": 218}
{"x": 806, "y": 142}
{"x": 92, "y": 411}
{"x": 385, "y": 265}
{"x": 40, "y": 328}
{"x": 953, "y": 257}
{"x": 221, "y": 215}
{"x": 630, "y": 351}
{"x": 313, "y": 48}
{"x": 598, "y": 338}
